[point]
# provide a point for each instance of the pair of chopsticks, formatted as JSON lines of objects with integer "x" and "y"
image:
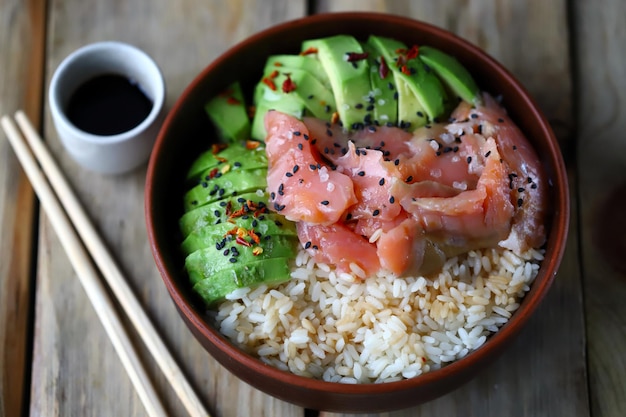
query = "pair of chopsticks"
{"x": 44, "y": 180}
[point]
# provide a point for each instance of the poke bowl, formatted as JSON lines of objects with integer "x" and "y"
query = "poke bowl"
{"x": 343, "y": 302}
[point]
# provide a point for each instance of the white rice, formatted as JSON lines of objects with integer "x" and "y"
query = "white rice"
{"x": 341, "y": 328}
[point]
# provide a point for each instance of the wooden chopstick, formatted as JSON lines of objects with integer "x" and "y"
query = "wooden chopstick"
{"x": 105, "y": 262}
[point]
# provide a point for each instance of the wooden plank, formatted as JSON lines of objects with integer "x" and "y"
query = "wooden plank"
{"x": 543, "y": 373}
{"x": 21, "y": 52}
{"x": 76, "y": 371}
{"x": 601, "y": 70}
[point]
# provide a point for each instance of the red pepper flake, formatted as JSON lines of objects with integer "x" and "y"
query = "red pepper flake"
{"x": 243, "y": 242}
{"x": 308, "y": 51}
{"x": 252, "y": 144}
{"x": 401, "y": 51}
{"x": 268, "y": 82}
{"x": 356, "y": 56}
{"x": 288, "y": 84}
{"x": 232, "y": 101}
{"x": 400, "y": 61}
{"x": 413, "y": 52}
{"x": 335, "y": 118}
{"x": 405, "y": 70}
{"x": 260, "y": 211}
{"x": 274, "y": 74}
{"x": 221, "y": 159}
{"x": 383, "y": 69}
{"x": 218, "y": 147}
{"x": 213, "y": 173}
{"x": 255, "y": 238}
{"x": 278, "y": 64}
{"x": 228, "y": 209}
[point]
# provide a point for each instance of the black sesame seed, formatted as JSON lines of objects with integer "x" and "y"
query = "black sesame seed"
{"x": 500, "y": 120}
{"x": 327, "y": 109}
{"x": 255, "y": 223}
{"x": 348, "y": 216}
{"x": 521, "y": 190}
{"x": 392, "y": 199}
{"x": 420, "y": 114}
{"x": 300, "y": 146}
{"x": 447, "y": 149}
{"x": 390, "y": 86}
{"x": 474, "y": 116}
{"x": 297, "y": 133}
{"x": 314, "y": 247}
{"x": 295, "y": 168}
{"x": 241, "y": 200}
{"x": 455, "y": 149}
{"x": 237, "y": 164}
{"x": 232, "y": 260}
{"x": 313, "y": 167}
{"x": 438, "y": 153}
{"x": 487, "y": 154}
{"x": 307, "y": 245}
{"x": 227, "y": 252}
{"x": 326, "y": 150}
{"x": 529, "y": 180}
{"x": 533, "y": 186}
{"x": 204, "y": 184}
{"x": 375, "y": 212}
{"x": 217, "y": 213}
{"x": 288, "y": 174}
{"x": 245, "y": 217}
{"x": 325, "y": 202}
{"x": 360, "y": 173}
{"x": 370, "y": 107}
{"x": 310, "y": 97}
{"x": 409, "y": 178}
{"x": 396, "y": 162}
{"x": 281, "y": 189}
{"x": 273, "y": 195}
{"x": 221, "y": 192}
{"x": 520, "y": 202}
{"x": 371, "y": 128}
{"x": 329, "y": 132}
{"x": 305, "y": 136}
{"x": 358, "y": 106}
{"x": 381, "y": 182}
{"x": 514, "y": 147}
{"x": 223, "y": 204}
{"x": 268, "y": 237}
{"x": 469, "y": 159}
{"x": 278, "y": 223}
{"x": 395, "y": 95}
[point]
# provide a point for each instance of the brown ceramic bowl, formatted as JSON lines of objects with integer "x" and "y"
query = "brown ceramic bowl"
{"x": 185, "y": 134}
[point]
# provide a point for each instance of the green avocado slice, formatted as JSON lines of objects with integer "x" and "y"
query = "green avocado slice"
{"x": 235, "y": 155}
{"x": 228, "y": 112}
{"x": 349, "y": 77}
{"x": 451, "y": 72}
{"x": 203, "y": 237}
{"x": 420, "y": 79}
{"x": 309, "y": 64}
{"x": 232, "y": 183}
{"x": 204, "y": 263}
{"x": 287, "y": 104}
{"x": 215, "y": 212}
{"x": 382, "y": 88}
{"x": 270, "y": 271}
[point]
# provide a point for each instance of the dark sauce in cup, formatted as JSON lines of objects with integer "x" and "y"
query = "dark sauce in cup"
{"x": 108, "y": 104}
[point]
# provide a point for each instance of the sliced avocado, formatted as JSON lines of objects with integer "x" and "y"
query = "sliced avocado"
{"x": 234, "y": 156}
{"x": 229, "y": 114}
{"x": 203, "y": 237}
{"x": 306, "y": 63}
{"x": 287, "y": 104}
{"x": 216, "y": 212}
{"x": 411, "y": 114}
{"x": 451, "y": 72}
{"x": 317, "y": 99}
{"x": 382, "y": 88}
{"x": 270, "y": 271}
{"x": 349, "y": 76}
{"x": 420, "y": 79}
{"x": 235, "y": 181}
{"x": 204, "y": 263}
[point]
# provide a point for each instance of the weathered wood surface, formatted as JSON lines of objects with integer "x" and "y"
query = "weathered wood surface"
{"x": 601, "y": 91}
{"x": 22, "y": 25}
{"x": 543, "y": 374}
{"x": 75, "y": 368}
{"x": 556, "y": 366}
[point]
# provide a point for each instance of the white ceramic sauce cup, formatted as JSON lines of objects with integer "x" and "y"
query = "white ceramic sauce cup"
{"x": 119, "y": 153}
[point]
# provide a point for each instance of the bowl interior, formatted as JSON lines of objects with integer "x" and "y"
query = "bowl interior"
{"x": 187, "y": 132}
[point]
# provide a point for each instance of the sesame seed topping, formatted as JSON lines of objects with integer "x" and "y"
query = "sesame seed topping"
{"x": 375, "y": 212}
{"x": 307, "y": 245}
{"x": 297, "y": 133}
{"x": 487, "y": 154}
{"x": 288, "y": 174}
{"x": 295, "y": 168}
{"x": 469, "y": 159}
{"x": 381, "y": 182}
{"x": 392, "y": 199}
{"x": 409, "y": 178}
{"x": 360, "y": 173}
{"x": 520, "y": 202}
{"x": 325, "y": 202}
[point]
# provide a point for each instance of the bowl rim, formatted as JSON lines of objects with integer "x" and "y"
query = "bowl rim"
{"x": 555, "y": 244}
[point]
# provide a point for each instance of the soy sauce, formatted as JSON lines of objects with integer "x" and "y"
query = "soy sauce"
{"x": 108, "y": 104}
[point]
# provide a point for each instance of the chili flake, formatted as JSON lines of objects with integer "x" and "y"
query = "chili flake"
{"x": 383, "y": 69}
{"x": 355, "y": 56}
{"x": 288, "y": 84}
{"x": 310, "y": 50}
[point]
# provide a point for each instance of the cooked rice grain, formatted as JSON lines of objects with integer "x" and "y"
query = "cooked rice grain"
{"x": 336, "y": 327}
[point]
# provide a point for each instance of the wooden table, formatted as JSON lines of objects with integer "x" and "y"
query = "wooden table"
{"x": 55, "y": 358}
